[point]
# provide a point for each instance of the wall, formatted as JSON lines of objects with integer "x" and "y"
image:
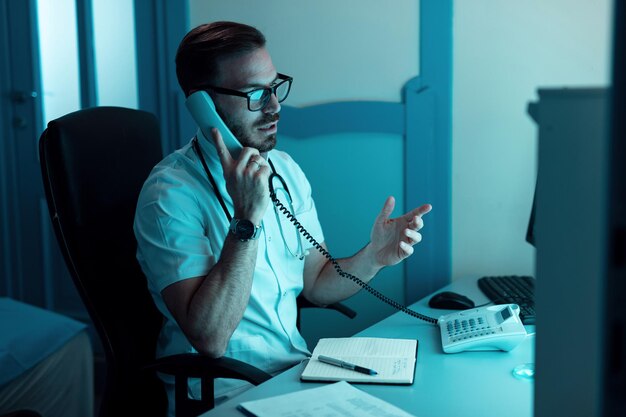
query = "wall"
{"x": 347, "y": 50}
{"x": 338, "y": 51}
{"x": 503, "y": 52}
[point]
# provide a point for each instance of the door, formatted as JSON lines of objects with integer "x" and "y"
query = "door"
{"x": 24, "y": 241}
{"x": 48, "y": 68}
{"x": 32, "y": 267}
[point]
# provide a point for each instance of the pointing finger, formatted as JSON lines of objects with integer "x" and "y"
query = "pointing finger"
{"x": 419, "y": 211}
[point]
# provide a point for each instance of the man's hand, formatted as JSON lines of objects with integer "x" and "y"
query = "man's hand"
{"x": 392, "y": 240}
{"x": 246, "y": 180}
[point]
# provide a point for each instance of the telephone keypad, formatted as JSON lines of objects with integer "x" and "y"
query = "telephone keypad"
{"x": 480, "y": 330}
{"x": 464, "y": 329}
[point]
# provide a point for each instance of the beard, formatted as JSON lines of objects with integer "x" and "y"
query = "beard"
{"x": 245, "y": 136}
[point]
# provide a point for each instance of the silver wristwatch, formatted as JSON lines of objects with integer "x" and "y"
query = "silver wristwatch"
{"x": 244, "y": 230}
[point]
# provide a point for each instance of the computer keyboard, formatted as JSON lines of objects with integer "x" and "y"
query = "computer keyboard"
{"x": 514, "y": 289}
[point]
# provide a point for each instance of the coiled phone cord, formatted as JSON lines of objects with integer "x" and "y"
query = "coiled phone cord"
{"x": 340, "y": 271}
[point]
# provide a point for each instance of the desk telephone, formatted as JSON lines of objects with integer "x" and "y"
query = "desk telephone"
{"x": 493, "y": 323}
{"x": 495, "y": 327}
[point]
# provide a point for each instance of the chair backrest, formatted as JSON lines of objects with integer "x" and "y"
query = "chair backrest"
{"x": 94, "y": 163}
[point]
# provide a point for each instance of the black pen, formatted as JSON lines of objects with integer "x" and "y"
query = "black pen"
{"x": 346, "y": 365}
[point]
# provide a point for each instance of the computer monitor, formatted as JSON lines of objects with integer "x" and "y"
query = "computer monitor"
{"x": 569, "y": 229}
{"x": 615, "y": 290}
{"x": 580, "y": 236}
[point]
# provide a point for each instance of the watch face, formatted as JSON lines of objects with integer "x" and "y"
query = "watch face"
{"x": 245, "y": 229}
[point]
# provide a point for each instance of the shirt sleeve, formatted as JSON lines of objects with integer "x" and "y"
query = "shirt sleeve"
{"x": 172, "y": 242}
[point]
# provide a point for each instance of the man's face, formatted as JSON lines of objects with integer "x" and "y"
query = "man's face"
{"x": 245, "y": 73}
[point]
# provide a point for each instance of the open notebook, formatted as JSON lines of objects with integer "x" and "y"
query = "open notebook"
{"x": 393, "y": 359}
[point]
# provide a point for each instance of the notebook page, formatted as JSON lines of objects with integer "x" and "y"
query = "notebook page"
{"x": 366, "y": 347}
{"x": 390, "y": 370}
{"x": 393, "y": 360}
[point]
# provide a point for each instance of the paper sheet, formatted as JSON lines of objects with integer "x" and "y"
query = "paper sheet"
{"x": 335, "y": 400}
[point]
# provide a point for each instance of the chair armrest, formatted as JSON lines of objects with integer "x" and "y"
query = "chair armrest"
{"x": 193, "y": 365}
{"x": 340, "y": 307}
{"x": 343, "y": 309}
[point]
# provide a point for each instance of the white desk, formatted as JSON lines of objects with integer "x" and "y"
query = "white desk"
{"x": 446, "y": 385}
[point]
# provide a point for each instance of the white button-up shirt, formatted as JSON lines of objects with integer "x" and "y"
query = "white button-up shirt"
{"x": 180, "y": 229}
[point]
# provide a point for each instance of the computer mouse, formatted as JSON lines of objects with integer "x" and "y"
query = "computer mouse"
{"x": 451, "y": 301}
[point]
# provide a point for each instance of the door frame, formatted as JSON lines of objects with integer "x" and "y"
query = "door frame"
{"x": 429, "y": 122}
{"x": 19, "y": 72}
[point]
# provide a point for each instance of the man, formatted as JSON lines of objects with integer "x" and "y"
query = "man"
{"x": 227, "y": 290}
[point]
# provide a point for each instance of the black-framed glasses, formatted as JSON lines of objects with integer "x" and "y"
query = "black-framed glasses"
{"x": 259, "y": 97}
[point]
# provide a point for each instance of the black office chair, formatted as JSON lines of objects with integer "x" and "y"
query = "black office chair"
{"x": 94, "y": 163}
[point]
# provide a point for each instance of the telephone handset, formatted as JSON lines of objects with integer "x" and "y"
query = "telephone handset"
{"x": 203, "y": 111}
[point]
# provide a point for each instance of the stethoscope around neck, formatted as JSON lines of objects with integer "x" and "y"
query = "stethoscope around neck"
{"x": 299, "y": 253}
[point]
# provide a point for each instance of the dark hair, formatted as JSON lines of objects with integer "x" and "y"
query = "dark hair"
{"x": 204, "y": 46}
